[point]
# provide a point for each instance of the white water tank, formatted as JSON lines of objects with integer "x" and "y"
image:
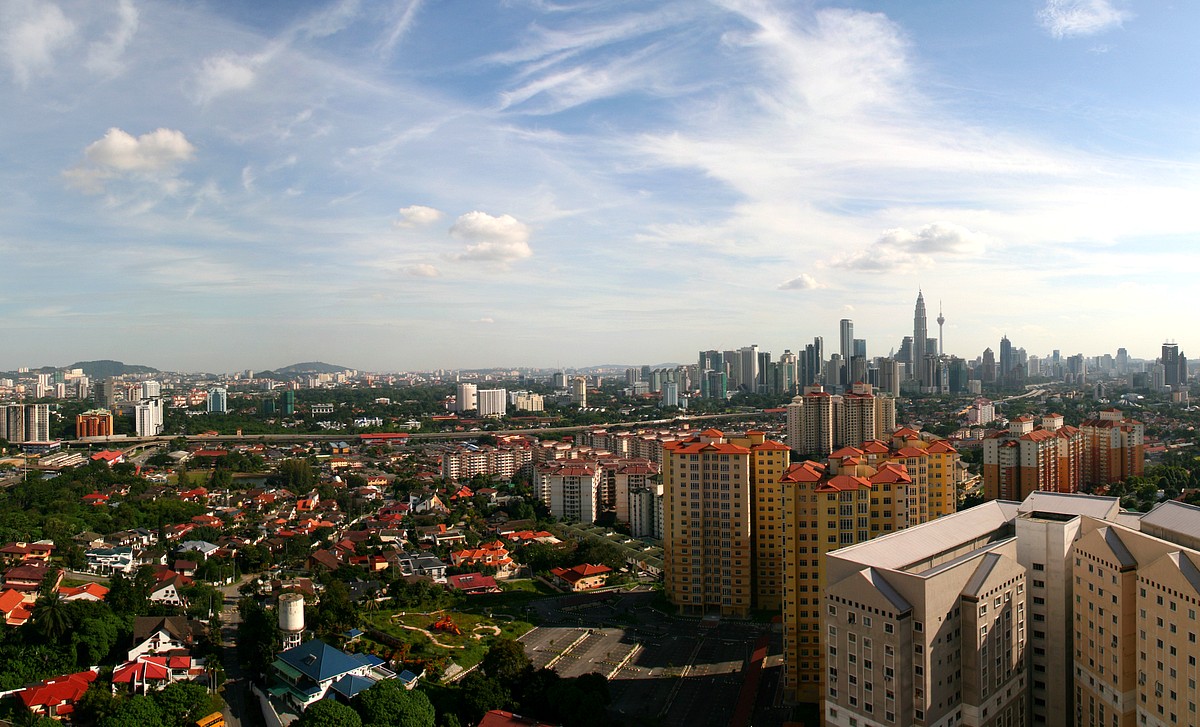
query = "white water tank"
{"x": 291, "y": 619}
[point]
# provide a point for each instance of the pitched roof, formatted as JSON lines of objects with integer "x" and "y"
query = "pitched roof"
{"x": 319, "y": 661}
{"x": 57, "y": 690}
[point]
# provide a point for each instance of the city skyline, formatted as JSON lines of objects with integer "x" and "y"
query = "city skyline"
{"x": 412, "y": 185}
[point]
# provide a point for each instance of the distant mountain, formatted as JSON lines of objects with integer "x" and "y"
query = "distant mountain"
{"x": 308, "y": 367}
{"x": 106, "y": 369}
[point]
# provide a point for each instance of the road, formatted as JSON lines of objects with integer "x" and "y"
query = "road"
{"x": 134, "y": 442}
{"x": 238, "y": 698}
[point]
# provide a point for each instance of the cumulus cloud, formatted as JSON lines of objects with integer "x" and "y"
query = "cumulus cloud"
{"x": 32, "y": 33}
{"x": 502, "y": 239}
{"x": 155, "y": 156}
{"x": 1068, "y": 18}
{"x": 902, "y": 249}
{"x": 417, "y": 216}
{"x": 803, "y": 281}
{"x": 223, "y": 74}
{"x": 104, "y": 57}
{"x": 486, "y": 320}
{"x": 424, "y": 270}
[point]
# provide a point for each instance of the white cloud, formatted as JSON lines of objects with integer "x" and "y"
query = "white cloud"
{"x": 417, "y": 216}
{"x": 33, "y": 32}
{"x": 423, "y": 270}
{"x": 155, "y": 156}
{"x": 223, "y": 74}
{"x": 502, "y": 239}
{"x": 900, "y": 249}
{"x": 803, "y": 281}
{"x": 1069, "y": 18}
{"x": 403, "y": 15}
{"x": 104, "y": 57}
{"x": 485, "y": 320}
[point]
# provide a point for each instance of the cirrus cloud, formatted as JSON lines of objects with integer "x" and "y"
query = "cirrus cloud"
{"x": 1067, "y": 18}
{"x": 222, "y": 74}
{"x": 33, "y": 33}
{"x": 501, "y": 239}
{"x": 154, "y": 156}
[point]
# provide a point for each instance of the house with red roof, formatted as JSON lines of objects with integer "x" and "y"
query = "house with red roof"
{"x": 493, "y": 555}
{"x": 14, "y": 608}
{"x": 500, "y": 718}
{"x": 473, "y": 583}
{"x": 582, "y": 577}
{"x": 86, "y": 592}
{"x": 56, "y": 697}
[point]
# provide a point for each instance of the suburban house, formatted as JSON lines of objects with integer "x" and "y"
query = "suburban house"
{"x": 55, "y": 697}
{"x": 14, "y": 609}
{"x": 494, "y": 555}
{"x": 582, "y": 577}
{"x": 305, "y": 674}
{"x": 162, "y": 635}
{"x": 473, "y": 583}
{"x": 108, "y": 561}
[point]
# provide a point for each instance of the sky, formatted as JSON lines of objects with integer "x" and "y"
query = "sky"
{"x": 219, "y": 185}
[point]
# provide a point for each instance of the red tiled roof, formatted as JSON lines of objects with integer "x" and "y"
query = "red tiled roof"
{"x": 806, "y": 471}
{"x": 583, "y": 570}
{"x": 843, "y": 483}
{"x": 58, "y": 690}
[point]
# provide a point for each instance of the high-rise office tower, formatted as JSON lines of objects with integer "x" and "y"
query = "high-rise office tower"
{"x": 846, "y": 348}
{"x": 920, "y": 338}
{"x": 151, "y": 389}
{"x": 218, "y": 402}
{"x": 814, "y": 360}
{"x": 1175, "y": 366}
{"x": 1006, "y": 358}
{"x": 747, "y": 378}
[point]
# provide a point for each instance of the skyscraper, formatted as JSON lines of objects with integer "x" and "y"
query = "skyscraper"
{"x": 846, "y": 339}
{"x": 1006, "y": 357}
{"x": 1175, "y": 366}
{"x": 920, "y": 338}
{"x": 218, "y": 402}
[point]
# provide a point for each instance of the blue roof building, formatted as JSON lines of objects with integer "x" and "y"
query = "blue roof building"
{"x": 310, "y": 671}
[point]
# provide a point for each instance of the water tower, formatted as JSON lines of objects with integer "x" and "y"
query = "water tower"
{"x": 291, "y": 619}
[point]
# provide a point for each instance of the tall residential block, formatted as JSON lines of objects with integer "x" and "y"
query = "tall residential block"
{"x": 855, "y": 495}
{"x": 710, "y": 490}
{"x": 1028, "y": 458}
{"x": 818, "y": 422}
{"x": 466, "y": 398}
{"x": 492, "y": 402}
{"x": 94, "y": 423}
{"x": 1114, "y": 448}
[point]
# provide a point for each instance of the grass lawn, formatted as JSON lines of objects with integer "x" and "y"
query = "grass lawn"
{"x": 464, "y": 649}
{"x": 518, "y": 593}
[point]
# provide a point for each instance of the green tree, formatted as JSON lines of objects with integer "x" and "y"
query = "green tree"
{"x": 96, "y": 637}
{"x": 258, "y": 636}
{"x": 389, "y": 704}
{"x": 479, "y": 693}
{"x": 183, "y": 703}
{"x": 328, "y": 713}
{"x": 51, "y": 618}
{"x": 506, "y": 661}
{"x": 137, "y": 711}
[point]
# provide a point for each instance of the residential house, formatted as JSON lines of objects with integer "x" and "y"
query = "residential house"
{"x": 421, "y": 564}
{"x": 582, "y": 577}
{"x": 29, "y": 578}
{"x": 305, "y": 674}
{"x": 14, "y": 608}
{"x": 493, "y": 555}
{"x": 473, "y": 583}
{"x": 14, "y": 553}
{"x": 55, "y": 698}
{"x": 86, "y": 592}
{"x": 108, "y": 561}
{"x": 162, "y": 635}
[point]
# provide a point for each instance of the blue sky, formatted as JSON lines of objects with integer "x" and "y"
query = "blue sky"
{"x": 394, "y": 186}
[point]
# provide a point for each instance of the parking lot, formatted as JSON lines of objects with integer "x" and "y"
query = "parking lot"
{"x": 661, "y": 670}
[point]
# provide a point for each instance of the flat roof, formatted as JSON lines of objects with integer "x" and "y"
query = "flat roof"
{"x": 922, "y": 542}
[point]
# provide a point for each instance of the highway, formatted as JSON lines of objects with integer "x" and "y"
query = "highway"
{"x": 131, "y": 443}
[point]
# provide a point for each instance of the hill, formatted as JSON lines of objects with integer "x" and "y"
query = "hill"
{"x": 308, "y": 367}
{"x": 106, "y": 368}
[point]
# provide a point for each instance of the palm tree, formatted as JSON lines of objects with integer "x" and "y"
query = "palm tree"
{"x": 50, "y": 616}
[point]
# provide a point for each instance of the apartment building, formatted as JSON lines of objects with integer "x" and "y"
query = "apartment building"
{"x": 818, "y": 422}
{"x": 1114, "y": 448}
{"x": 1061, "y": 609}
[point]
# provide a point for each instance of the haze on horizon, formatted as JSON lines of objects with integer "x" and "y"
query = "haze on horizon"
{"x": 415, "y": 185}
